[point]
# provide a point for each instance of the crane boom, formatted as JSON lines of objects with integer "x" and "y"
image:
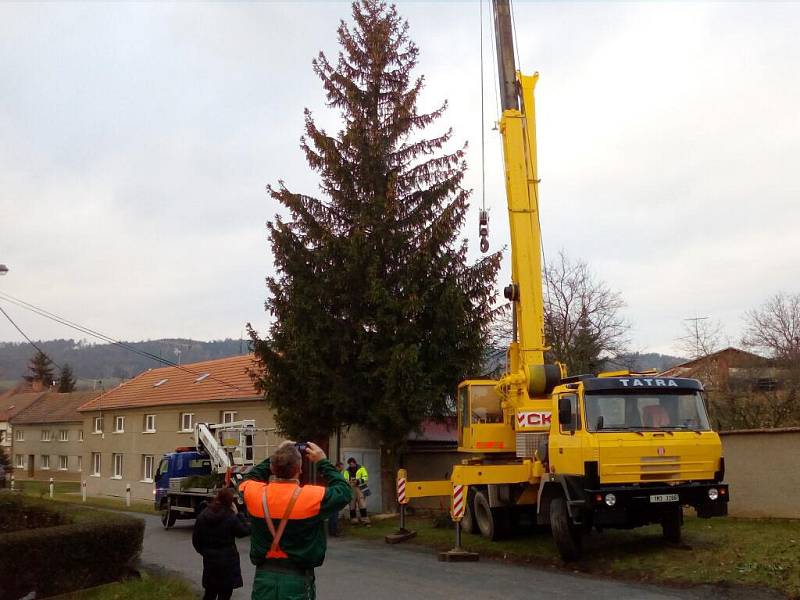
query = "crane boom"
{"x": 506, "y": 69}
{"x": 230, "y": 449}
{"x": 526, "y": 371}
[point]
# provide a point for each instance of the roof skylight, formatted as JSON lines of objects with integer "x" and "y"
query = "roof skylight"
{"x": 203, "y": 376}
{"x": 160, "y": 383}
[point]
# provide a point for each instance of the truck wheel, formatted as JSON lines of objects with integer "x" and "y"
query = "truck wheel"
{"x": 483, "y": 516}
{"x": 491, "y": 521}
{"x": 671, "y": 526}
{"x": 168, "y": 516}
{"x": 566, "y": 535}
{"x": 468, "y": 523}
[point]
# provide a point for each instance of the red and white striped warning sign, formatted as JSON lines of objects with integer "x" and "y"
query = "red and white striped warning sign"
{"x": 401, "y": 491}
{"x": 459, "y": 504}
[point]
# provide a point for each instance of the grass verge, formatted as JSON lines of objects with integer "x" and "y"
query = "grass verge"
{"x": 152, "y": 587}
{"x": 70, "y": 492}
{"x": 742, "y": 552}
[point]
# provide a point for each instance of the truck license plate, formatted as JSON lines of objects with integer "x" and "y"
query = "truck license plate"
{"x": 665, "y": 498}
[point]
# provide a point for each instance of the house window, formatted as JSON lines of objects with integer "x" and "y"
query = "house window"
{"x": 80, "y": 435}
{"x": 19, "y": 461}
{"x": 228, "y": 416}
{"x": 119, "y": 424}
{"x": 80, "y": 463}
{"x": 766, "y": 384}
{"x": 117, "y": 466}
{"x": 187, "y": 421}
{"x": 63, "y": 435}
{"x": 46, "y": 435}
{"x": 96, "y": 464}
{"x": 98, "y": 425}
{"x": 63, "y": 463}
{"x": 149, "y": 423}
{"x": 147, "y": 468}
{"x": 45, "y": 460}
{"x": 19, "y": 435}
{"x": 2, "y": 435}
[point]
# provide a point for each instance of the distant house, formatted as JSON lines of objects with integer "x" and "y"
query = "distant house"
{"x": 11, "y": 402}
{"x": 730, "y": 368}
{"x": 49, "y": 437}
{"x": 129, "y": 429}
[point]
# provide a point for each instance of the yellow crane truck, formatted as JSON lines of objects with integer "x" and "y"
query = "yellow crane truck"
{"x": 614, "y": 450}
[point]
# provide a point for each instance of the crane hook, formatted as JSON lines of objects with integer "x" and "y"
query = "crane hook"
{"x": 483, "y": 229}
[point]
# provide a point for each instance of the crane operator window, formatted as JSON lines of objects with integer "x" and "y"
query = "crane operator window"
{"x": 485, "y": 404}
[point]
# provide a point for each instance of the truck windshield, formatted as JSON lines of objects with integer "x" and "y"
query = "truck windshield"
{"x": 638, "y": 411}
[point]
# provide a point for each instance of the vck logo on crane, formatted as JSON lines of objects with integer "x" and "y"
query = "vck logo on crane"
{"x": 534, "y": 419}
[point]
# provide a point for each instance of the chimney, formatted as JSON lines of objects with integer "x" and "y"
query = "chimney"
{"x": 37, "y": 386}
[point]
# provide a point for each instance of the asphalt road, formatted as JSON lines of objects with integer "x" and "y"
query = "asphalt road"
{"x": 374, "y": 571}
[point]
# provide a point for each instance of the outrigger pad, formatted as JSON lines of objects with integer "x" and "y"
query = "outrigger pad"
{"x": 400, "y": 536}
{"x": 458, "y": 556}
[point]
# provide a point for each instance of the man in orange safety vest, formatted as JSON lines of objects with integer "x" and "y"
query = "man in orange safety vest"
{"x": 288, "y": 520}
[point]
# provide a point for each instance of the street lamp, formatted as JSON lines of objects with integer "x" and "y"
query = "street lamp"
{"x": 3, "y": 269}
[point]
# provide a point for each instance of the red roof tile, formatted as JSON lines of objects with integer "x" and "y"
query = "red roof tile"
{"x": 11, "y": 404}
{"x": 208, "y": 381}
{"x": 52, "y": 407}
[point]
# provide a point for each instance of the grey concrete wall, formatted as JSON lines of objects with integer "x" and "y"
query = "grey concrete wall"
{"x": 763, "y": 470}
{"x": 32, "y": 446}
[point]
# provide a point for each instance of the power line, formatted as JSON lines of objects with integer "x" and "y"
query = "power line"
{"x": 101, "y": 336}
{"x": 30, "y": 341}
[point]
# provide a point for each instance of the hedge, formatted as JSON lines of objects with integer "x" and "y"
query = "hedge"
{"x": 88, "y": 548}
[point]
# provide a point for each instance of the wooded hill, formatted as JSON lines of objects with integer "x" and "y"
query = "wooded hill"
{"x": 111, "y": 362}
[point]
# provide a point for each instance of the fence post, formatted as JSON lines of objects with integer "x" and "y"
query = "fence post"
{"x": 128, "y": 494}
{"x": 83, "y": 491}
{"x": 51, "y": 487}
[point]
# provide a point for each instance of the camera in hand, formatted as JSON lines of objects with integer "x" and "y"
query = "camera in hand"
{"x": 301, "y": 447}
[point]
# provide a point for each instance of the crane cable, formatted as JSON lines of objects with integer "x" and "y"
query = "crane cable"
{"x": 483, "y": 215}
{"x": 483, "y": 124}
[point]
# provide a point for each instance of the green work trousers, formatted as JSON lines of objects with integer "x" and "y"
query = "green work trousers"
{"x": 272, "y": 585}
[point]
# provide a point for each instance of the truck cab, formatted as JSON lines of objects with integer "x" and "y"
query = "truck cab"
{"x": 179, "y": 464}
{"x": 627, "y": 451}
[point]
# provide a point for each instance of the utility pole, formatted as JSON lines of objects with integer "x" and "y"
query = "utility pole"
{"x": 696, "y": 333}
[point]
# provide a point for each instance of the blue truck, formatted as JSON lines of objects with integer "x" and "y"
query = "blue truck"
{"x": 188, "y": 478}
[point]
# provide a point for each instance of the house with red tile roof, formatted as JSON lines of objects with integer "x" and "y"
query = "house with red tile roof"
{"x": 49, "y": 437}
{"x": 128, "y": 429}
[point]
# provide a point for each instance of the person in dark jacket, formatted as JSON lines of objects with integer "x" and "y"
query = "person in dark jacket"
{"x": 214, "y": 536}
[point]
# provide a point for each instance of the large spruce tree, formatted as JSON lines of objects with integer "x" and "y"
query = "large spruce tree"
{"x": 377, "y": 314}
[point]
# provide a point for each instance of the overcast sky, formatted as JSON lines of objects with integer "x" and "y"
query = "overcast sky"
{"x": 136, "y": 141}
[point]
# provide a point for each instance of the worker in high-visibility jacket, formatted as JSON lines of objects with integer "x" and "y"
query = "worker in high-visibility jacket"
{"x": 288, "y": 521}
{"x": 358, "y": 477}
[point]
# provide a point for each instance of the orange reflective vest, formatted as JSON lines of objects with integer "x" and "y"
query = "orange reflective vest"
{"x": 283, "y": 500}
